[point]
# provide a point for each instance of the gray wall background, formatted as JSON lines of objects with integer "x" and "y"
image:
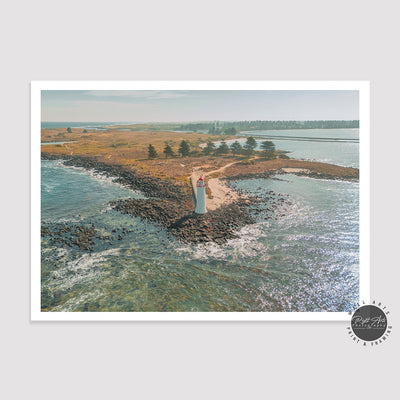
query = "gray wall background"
{"x": 184, "y": 40}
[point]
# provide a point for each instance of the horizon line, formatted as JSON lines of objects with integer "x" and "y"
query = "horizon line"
{"x": 217, "y": 120}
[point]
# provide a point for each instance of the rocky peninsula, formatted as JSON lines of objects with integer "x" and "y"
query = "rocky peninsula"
{"x": 166, "y": 182}
{"x": 170, "y": 204}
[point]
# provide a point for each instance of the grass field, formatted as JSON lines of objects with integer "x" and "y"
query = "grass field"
{"x": 129, "y": 149}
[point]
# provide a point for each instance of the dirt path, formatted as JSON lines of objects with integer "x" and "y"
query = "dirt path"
{"x": 221, "y": 194}
{"x": 222, "y": 168}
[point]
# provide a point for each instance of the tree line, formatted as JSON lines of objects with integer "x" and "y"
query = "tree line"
{"x": 268, "y": 149}
{"x": 184, "y": 150}
{"x": 234, "y": 127}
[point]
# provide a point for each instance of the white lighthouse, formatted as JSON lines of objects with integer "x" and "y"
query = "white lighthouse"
{"x": 200, "y": 196}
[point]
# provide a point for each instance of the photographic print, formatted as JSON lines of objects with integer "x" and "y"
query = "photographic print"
{"x": 199, "y": 200}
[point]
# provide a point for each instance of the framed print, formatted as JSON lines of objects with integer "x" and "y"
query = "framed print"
{"x": 196, "y": 200}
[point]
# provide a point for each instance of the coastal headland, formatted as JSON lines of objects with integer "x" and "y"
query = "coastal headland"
{"x": 122, "y": 153}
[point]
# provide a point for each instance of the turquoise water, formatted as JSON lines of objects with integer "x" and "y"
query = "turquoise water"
{"x": 314, "y": 247}
{"x": 71, "y": 193}
{"x": 307, "y": 259}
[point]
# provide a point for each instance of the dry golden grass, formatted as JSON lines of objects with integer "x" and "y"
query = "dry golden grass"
{"x": 129, "y": 149}
{"x": 119, "y": 147}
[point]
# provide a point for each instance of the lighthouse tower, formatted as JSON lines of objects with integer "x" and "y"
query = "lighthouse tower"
{"x": 200, "y": 196}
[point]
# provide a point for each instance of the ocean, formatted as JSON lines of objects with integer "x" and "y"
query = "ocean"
{"x": 307, "y": 259}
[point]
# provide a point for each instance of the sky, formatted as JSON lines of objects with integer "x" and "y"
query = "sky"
{"x": 198, "y": 105}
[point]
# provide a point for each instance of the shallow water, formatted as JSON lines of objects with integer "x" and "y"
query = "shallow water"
{"x": 51, "y": 143}
{"x": 72, "y": 192}
{"x": 334, "y": 146}
{"x": 306, "y": 260}
{"x": 82, "y": 125}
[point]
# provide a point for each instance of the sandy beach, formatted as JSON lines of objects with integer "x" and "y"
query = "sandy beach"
{"x": 219, "y": 193}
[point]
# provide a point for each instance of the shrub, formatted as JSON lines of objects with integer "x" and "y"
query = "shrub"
{"x": 247, "y": 162}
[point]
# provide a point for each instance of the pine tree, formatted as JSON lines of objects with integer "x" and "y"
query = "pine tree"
{"x": 209, "y": 148}
{"x": 152, "y": 152}
{"x": 250, "y": 145}
{"x": 269, "y": 150}
{"x": 236, "y": 148}
{"x": 184, "y": 148}
{"x": 168, "y": 151}
{"x": 222, "y": 148}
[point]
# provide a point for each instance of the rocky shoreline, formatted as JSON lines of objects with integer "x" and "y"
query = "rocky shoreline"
{"x": 272, "y": 173}
{"x": 149, "y": 185}
{"x": 216, "y": 226}
{"x": 171, "y": 206}
{"x": 67, "y": 234}
{"x": 84, "y": 236}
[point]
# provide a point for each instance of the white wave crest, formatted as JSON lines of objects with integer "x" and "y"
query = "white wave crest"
{"x": 83, "y": 269}
{"x": 246, "y": 245}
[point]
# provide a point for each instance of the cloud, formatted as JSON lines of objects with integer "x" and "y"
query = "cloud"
{"x": 142, "y": 94}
